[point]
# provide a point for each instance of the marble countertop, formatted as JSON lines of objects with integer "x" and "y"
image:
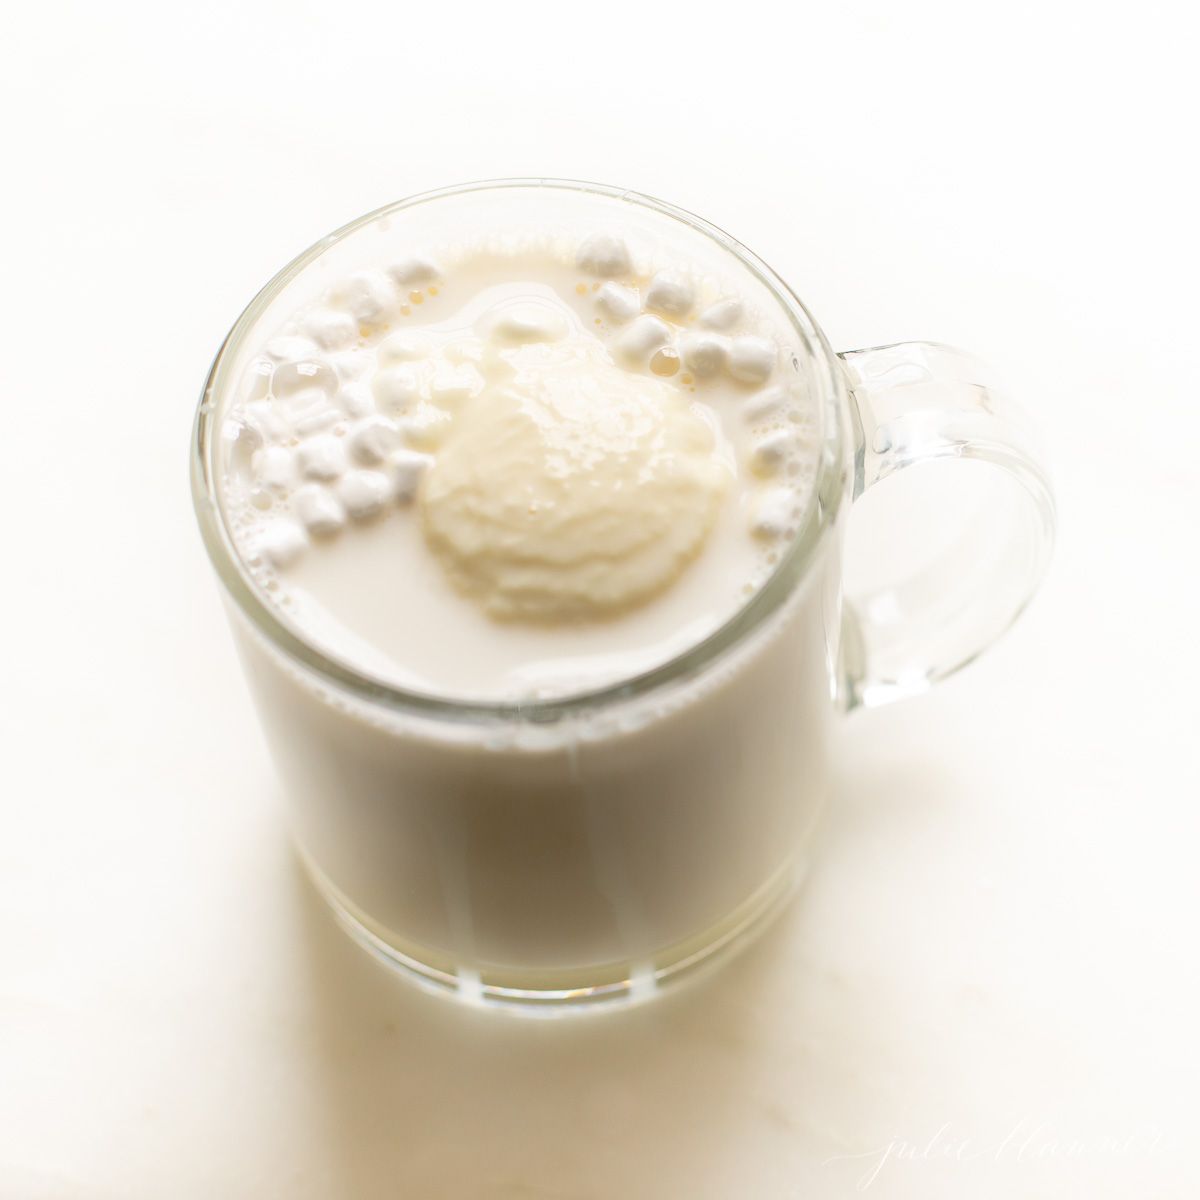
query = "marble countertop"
{"x": 988, "y": 987}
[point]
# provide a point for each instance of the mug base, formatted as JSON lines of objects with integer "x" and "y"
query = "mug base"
{"x": 546, "y": 993}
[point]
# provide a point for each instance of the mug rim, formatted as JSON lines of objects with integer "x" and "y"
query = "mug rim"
{"x": 820, "y": 514}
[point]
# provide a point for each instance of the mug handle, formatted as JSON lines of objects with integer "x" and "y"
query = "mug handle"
{"x": 920, "y": 402}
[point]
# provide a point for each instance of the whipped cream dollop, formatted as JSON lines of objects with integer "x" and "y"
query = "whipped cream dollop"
{"x": 569, "y": 488}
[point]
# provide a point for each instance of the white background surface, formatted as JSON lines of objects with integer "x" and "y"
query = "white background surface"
{"x": 994, "y": 968}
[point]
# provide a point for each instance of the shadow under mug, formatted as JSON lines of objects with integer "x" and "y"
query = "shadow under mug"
{"x": 553, "y": 856}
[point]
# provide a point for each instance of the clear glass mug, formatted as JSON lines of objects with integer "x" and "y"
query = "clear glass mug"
{"x": 552, "y": 856}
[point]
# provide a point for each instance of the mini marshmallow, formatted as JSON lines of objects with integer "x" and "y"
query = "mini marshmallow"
{"x": 619, "y": 304}
{"x": 295, "y": 404}
{"x": 372, "y": 439}
{"x": 703, "y": 354}
{"x": 274, "y": 467}
{"x": 303, "y": 374}
{"x": 290, "y": 348}
{"x": 638, "y": 343}
{"x": 414, "y": 272}
{"x": 355, "y": 401}
{"x": 282, "y": 542}
{"x": 319, "y": 510}
{"x": 309, "y": 411}
{"x": 765, "y": 405}
{"x": 770, "y": 452}
{"x": 775, "y": 514}
{"x": 407, "y": 468}
{"x": 350, "y": 364}
{"x": 752, "y": 359}
{"x": 519, "y": 324}
{"x": 322, "y": 457}
{"x": 604, "y": 255}
{"x": 264, "y": 419}
{"x": 363, "y": 493}
{"x": 671, "y": 293}
{"x": 369, "y": 296}
{"x": 396, "y": 389}
{"x": 724, "y": 315}
{"x": 404, "y": 347}
{"x": 318, "y": 421}
{"x": 331, "y": 330}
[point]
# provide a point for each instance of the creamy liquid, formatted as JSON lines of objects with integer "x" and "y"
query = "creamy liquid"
{"x": 334, "y": 460}
{"x": 524, "y": 466}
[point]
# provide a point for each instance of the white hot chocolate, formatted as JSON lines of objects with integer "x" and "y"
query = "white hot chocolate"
{"x": 503, "y": 469}
{"x": 514, "y": 471}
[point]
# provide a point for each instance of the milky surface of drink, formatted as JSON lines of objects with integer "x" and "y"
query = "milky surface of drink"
{"x": 517, "y": 468}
